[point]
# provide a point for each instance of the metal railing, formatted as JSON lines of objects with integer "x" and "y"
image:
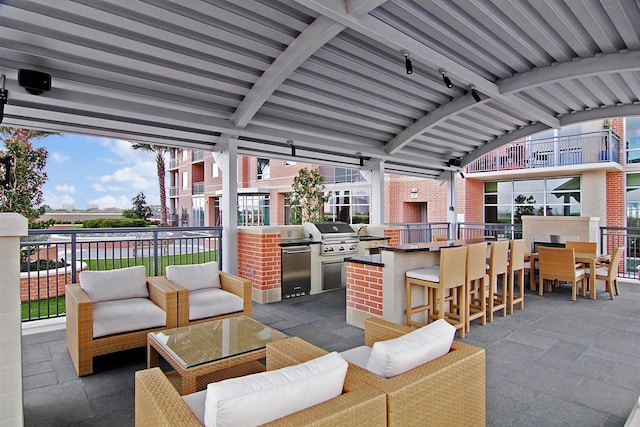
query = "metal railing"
{"x": 627, "y": 237}
{"x": 173, "y": 163}
{"x": 471, "y": 230}
{"x": 593, "y": 147}
{"x": 197, "y": 188}
{"x": 56, "y": 258}
{"x": 421, "y": 232}
{"x": 197, "y": 156}
{"x": 174, "y": 191}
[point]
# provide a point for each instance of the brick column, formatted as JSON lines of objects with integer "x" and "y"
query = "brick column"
{"x": 12, "y": 226}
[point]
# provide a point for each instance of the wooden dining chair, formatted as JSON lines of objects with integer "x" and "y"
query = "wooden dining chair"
{"x": 608, "y": 272}
{"x": 476, "y": 283}
{"x": 440, "y": 238}
{"x": 583, "y": 247}
{"x": 444, "y": 284}
{"x": 497, "y": 271}
{"x": 517, "y": 249}
{"x": 559, "y": 264}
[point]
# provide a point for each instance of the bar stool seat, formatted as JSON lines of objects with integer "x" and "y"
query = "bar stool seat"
{"x": 497, "y": 298}
{"x": 517, "y": 266}
{"x": 476, "y": 283}
{"x": 440, "y": 286}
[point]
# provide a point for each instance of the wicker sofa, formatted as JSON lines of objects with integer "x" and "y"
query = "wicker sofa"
{"x": 158, "y": 403}
{"x": 449, "y": 390}
{"x": 232, "y": 285}
{"x": 82, "y": 341}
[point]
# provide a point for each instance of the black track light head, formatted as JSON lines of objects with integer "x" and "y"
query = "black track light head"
{"x": 475, "y": 94}
{"x": 4, "y": 97}
{"x": 293, "y": 147}
{"x": 359, "y": 154}
{"x": 445, "y": 79}
{"x": 407, "y": 62}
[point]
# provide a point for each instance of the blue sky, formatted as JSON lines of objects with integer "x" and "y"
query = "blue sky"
{"x": 85, "y": 170}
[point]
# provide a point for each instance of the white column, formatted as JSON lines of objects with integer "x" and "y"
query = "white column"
{"x": 229, "y": 205}
{"x": 377, "y": 194}
{"x": 12, "y": 226}
{"x": 452, "y": 210}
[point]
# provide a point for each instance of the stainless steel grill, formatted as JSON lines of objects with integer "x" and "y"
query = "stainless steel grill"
{"x": 336, "y": 238}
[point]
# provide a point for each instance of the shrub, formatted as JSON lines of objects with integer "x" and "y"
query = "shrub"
{"x": 114, "y": 223}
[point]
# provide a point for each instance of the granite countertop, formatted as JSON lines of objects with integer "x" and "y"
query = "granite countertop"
{"x": 297, "y": 242}
{"x": 367, "y": 259}
{"x": 423, "y": 247}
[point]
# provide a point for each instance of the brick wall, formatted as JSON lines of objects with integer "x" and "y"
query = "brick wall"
{"x": 401, "y": 207}
{"x": 364, "y": 287}
{"x": 394, "y": 235}
{"x": 474, "y": 203}
{"x": 259, "y": 259}
{"x": 615, "y": 199}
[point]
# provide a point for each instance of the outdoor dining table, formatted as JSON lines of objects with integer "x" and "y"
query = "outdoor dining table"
{"x": 586, "y": 258}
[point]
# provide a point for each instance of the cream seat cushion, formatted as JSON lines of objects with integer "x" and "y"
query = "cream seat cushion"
{"x": 260, "y": 398}
{"x": 396, "y": 356}
{"x": 195, "y": 276}
{"x": 430, "y": 274}
{"x": 213, "y": 302}
{"x": 123, "y": 283}
{"x": 126, "y": 315}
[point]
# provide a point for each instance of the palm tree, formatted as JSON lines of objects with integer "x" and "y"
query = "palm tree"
{"x": 159, "y": 151}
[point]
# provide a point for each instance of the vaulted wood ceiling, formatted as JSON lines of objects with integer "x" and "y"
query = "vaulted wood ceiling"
{"x": 327, "y": 75}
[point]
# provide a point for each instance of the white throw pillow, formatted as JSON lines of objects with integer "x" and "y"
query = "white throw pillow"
{"x": 260, "y": 398}
{"x": 195, "y": 276}
{"x": 111, "y": 285}
{"x": 393, "y": 357}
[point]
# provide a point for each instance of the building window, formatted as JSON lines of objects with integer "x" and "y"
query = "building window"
{"x": 197, "y": 212}
{"x": 508, "y": 201}
{"x": 185, "y": 181}
{"x": 632, "y": 135}
{"x": 214, "y": 170}
{"x": 350, "y": 206}
{"x": 335, "y": 175}
{"x": 263, "y": 169}
{"x": 253, "y": 209}
{"x": 632, "y": 200}
{"x": 291, "y": 216}
{"x": 185, "y": 155}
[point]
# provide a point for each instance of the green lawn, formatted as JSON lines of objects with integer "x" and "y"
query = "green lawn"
{"x": 42, "y": 308}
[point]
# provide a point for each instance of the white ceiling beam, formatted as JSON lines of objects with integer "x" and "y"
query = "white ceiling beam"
{"x": 603, "y": 64}
{"x": 317, "y": 34}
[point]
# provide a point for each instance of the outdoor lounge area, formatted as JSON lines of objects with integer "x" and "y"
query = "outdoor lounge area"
{"x": 556, "y": 362}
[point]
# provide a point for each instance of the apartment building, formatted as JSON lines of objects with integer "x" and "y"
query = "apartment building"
{"x": 588, "y": 169}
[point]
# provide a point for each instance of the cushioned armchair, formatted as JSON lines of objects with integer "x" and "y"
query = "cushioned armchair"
{"x": 206, "y": 293}
{"x": 112, "y": 311}
{"x": 449, "y": 390}
{"x": 355, "y": 404}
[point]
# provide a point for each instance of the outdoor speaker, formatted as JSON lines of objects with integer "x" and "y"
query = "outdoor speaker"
{"x": 34, "y": 82}
{"x": 455, "y": 163}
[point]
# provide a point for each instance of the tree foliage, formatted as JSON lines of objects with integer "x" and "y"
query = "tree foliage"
{"x": 140, "y": 209}
{"x": 308, "y": 197}
{"x": 23, "y": 194}
{"x": 159, "y": 152}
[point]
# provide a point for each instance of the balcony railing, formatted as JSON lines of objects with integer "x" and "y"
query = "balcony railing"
{"x": 594, "y": 147}
{"x": 174, "y": 191}
{"x": 197, "y": 156}
{"x": 173, "y": 164}
{"x": 421, "y": 232}
{"x": 56, "y": 258}
{"x": 197, "y": 188}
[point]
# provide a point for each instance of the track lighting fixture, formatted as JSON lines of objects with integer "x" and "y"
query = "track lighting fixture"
{"x": 475, "y": 94}
{"x": 407, "y": 62}
{"x": 359, "y": 154}
{"x": 445, "y": 79}
{"x": 293, "y": 147}
{"x": 3, "y": 97}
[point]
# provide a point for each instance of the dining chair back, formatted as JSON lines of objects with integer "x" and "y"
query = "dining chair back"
{"x": 476, "y": 283}
{"x": 497, "y": 271}
{"x": 560, "y": 264}
{"x": 517, "y": 249}
{"x": 440, "y": 238}
{"x": 583, "y": 247}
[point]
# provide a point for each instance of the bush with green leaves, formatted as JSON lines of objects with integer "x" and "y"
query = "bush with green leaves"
{"x": 114, "y": 223}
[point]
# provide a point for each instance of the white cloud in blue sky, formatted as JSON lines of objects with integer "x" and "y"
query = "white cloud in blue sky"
{"x": 84, "y": 170}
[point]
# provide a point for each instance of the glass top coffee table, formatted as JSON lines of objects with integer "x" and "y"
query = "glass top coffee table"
{"x": 211, "y": 351}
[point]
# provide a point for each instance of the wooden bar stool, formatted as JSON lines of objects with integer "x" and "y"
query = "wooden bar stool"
{"x": 443, "y": 284}
{"x": 497, "y": 299}
{"x": 517, "y": 250}
{"x": 476, "y": 281}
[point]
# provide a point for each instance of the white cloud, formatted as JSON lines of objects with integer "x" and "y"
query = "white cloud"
{"x": 99, "y": 188}
{"x": 122, "y": 202}
{"x": 56, "y": 201}
{"x": 58, "y": 157}
{"x": 65, "y": 188}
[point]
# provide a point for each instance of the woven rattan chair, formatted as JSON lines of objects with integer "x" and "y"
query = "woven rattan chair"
{"x": 498, "y": 268}
{"x": 517, "y": 249}
{"x": 583, "y": 247}
{"x": 82, "y": 345}
{"x": 448, "y": 391}
{"x": 559, "y": 264}
{"x": 440, "y": 238}
{"x": 157, "y": 403}
{"x": 476, "y": 283}
{"x": 228, "y": 282}
{"x": 608, "y": 272}
{"x": 442, "y": 285}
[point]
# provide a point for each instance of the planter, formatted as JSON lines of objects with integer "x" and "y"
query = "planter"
{"x": 43, "y": 284}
